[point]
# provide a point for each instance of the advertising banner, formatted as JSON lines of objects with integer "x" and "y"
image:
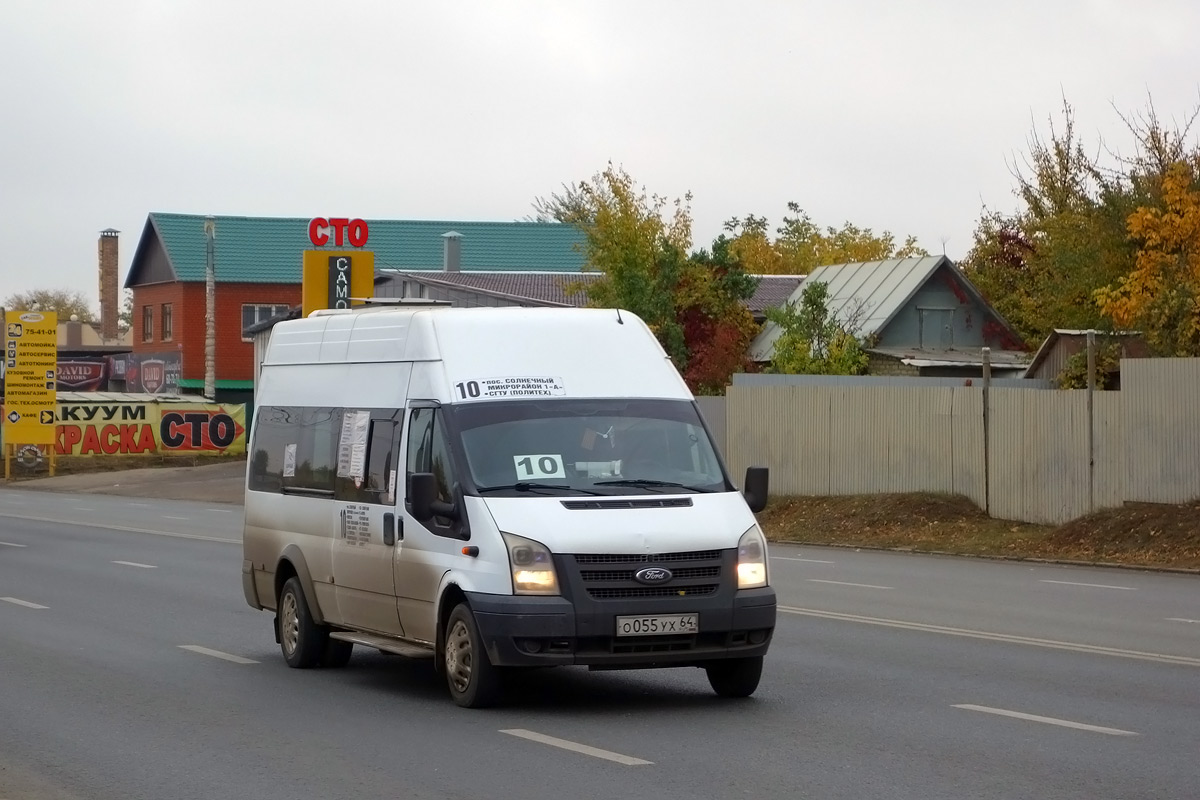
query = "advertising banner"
{"x": 153, "y": 373}
{"x": 30, "y": 358}
{"x": 83, "y": 374}
{"x": 132, "y": 429}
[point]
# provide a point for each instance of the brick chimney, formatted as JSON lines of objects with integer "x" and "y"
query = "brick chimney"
{"x": 110, "y": 301}
{"x": 452, "y": 251}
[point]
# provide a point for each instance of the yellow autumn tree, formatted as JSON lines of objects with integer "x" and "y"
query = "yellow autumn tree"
{"x": 1161, "y": 295}
{"x": 801, "y": 245}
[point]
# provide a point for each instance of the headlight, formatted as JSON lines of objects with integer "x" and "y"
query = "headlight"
{"x": 532, "y": 566}
{"x": 752, "y": 559}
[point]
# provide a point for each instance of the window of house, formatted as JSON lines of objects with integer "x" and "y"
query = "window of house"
{"x": 166, "y": 322}
{"x": 254, "y": 313}
{"x": 147, "y": 323}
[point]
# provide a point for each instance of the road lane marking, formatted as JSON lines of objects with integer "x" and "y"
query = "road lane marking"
{"x": 1169, "y": 619}
{"x": 12, "y": 544}
{"x": 575, "y": 747}
{"x": 1161, "y": 658}
{"x": 808, "y": 560}
{"x": 204, "y": 651}
{"x": 221, "y": 510}
{"x": 843, "y": 583}
{"x": 1094, "y": 585}
{"x": 1065, "y": 723}
{"x": 24, "y": 603}
{"x": 135, "y": 564}
{"x": 169, "y": 517}
{"x": 123, "y": 528}
{"x": 83, "y": 508}
{"x": 138, "y": 505}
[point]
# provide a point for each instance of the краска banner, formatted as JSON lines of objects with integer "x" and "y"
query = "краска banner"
{"x": 88, "y": 429}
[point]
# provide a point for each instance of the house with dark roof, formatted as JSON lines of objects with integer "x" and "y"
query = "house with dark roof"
{"x": 258, "y": 267}
{"x": 917, "y": 316}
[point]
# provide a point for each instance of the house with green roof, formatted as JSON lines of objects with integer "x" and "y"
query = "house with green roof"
{"x": 258, "y": 264}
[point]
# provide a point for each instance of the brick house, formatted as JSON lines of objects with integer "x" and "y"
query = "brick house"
{"x": 258, "y": 265}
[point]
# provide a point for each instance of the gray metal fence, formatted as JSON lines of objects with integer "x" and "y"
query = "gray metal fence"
{"x": 1034, "y": 466}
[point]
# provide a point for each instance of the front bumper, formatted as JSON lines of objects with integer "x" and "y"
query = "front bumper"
{"x": 545, "y": 631}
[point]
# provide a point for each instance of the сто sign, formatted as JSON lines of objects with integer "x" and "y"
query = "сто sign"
{"x": 352, "y": 230}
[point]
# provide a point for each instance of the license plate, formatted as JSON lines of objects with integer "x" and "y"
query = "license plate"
{"x": 657, "y": 625}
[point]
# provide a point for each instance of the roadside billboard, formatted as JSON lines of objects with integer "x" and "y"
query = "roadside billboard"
{"x": 141, "y": 429}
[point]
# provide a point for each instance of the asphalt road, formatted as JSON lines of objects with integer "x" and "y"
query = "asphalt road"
{"x": 891, "y": 676}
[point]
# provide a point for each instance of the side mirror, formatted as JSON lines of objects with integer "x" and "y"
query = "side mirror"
{"x": 422, "y": 494}
{"x": 755, "y": 488}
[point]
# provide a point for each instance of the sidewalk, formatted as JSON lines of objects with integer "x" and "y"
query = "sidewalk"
{"x": 217, "y": 483}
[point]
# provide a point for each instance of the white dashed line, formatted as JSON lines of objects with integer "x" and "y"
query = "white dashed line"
{"x": 103, "y": 526}
{"x": 1063, "y": 723}
{"x": 807, "y": 560}
{"x": 83, "y": 508}
{"x": 575, "y": 747}
{"x": 204, "y": 651}
{"x": 179, "y": 518}
{"x": 922, "y": 627}
{"x": 11, "y": 544}
{"x": 1169, "y": 619}
{"x": 135, "y": 564}
{"x": 843, "y": 583}
{"x": 1094, "y": 585}
{"x": 24, "y": 603}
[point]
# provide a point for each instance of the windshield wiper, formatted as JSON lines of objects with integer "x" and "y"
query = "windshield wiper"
{"x": 533, "y": 486}
{"x": 650, "y": 484}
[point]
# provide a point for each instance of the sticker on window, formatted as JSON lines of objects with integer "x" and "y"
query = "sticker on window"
{"x": 538, "y": 467}
{"x": 510, "y": 387}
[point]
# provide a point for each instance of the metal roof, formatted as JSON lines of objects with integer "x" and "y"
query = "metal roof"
{"x": 268, "y": 249}
{"x": 873, "y": 291}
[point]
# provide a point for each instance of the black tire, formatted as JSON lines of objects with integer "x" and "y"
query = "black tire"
{"x": 470, "y": 676}
{"x": 337, "y": 653}
{"x": 735, "y": 677}
{"x": 302, "y": 640}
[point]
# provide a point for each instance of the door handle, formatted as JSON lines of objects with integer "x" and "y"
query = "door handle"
{"x": 389, "y": 529}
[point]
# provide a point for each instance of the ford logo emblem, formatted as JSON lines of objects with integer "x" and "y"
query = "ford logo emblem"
{"x": 653, "y": 575}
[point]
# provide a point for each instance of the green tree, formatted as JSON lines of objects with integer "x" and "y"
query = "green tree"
{"x": 64, "y": 302}
{"x": 813, "y": 341}
{"x": 639, "y": 242}
{"x": 1043, "y": 266}
{"x": 695, "y": 304}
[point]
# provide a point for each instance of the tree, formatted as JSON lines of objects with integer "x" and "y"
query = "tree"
{"x": 639, "y": 246}
{"x": 695, "y": 304}
{"x": 1043, "y": 266}
{"x": 125, "y": 317}
{"x": 813, "y": 341}
{"x": 64, "y": 302}
{"x": 1161, "y": 295}
{"x": 801, "y": 245}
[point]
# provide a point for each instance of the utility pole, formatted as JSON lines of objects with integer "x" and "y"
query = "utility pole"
{"x": 210, "y": 311}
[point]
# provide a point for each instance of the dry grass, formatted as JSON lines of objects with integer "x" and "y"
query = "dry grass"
{"x": 1142, "y": 534}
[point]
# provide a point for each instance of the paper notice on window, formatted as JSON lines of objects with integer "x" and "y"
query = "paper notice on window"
{"x": 352, "y": 447}
{"x": 289, "y": 461}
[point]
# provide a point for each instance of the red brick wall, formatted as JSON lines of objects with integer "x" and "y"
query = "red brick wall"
{"x": 235, "y": 358}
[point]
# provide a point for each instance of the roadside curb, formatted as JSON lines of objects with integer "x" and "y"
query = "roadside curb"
{"x": 1029, "y": 559}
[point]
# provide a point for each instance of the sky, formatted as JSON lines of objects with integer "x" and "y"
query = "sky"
{"x": 899, "y": 116}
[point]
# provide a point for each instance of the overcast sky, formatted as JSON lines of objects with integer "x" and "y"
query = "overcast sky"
{"x": 894, "y": 115}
